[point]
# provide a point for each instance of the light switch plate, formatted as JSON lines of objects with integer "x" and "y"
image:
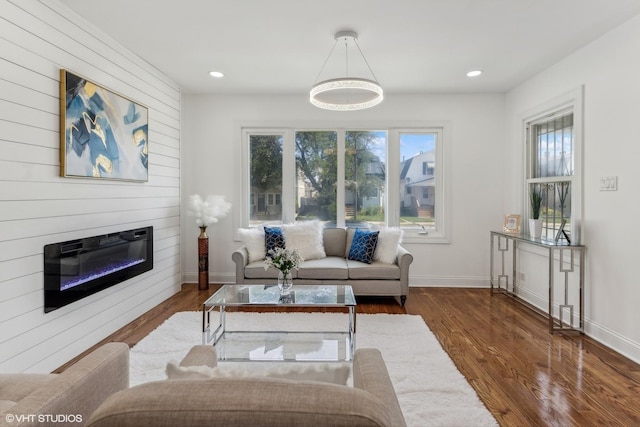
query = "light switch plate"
{"x": 609, "y": 183}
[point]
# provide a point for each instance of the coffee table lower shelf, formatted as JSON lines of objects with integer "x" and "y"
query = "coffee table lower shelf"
{"x": 280, "y": 346}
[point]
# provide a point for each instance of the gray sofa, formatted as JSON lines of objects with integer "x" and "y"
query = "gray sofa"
{"x": 375, "y": 279}
{"x": 257, "y": 402}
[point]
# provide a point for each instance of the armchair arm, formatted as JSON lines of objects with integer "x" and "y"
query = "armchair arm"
{"x": 81, "y": 388}
{"x": 370, "y": 374}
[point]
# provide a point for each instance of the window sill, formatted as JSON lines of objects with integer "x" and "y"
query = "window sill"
{"x": 429, "y": 238}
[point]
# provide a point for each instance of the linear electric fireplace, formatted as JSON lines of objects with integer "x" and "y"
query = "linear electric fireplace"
{"x": 78, "y": 268}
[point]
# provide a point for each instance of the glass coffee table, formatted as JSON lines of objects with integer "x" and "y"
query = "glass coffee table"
{"x": 276, "y": 344}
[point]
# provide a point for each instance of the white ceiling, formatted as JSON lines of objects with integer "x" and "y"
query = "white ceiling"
{"x": 413, "y": 46}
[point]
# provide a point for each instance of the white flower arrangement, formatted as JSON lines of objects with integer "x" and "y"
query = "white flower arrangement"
{"x": 284, "y": 260}
{"x": 208, "y": 211}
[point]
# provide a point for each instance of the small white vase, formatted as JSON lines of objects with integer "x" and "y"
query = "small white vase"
{"x": 535, "y": 228}
{"x": 285, "y": 282}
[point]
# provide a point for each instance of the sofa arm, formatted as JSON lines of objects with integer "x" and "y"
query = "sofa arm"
{"x": 241, "y": 258}
{"x": 370, "y": 374}
{"x": 404, "y": 259}
{"x": 81, "y": 388}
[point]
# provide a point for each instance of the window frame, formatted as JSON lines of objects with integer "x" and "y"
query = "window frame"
{"x": 441, "y": 234}
{"x": 569, "y": 102}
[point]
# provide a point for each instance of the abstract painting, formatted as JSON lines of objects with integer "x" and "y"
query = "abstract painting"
{"x": 103, "y": 134}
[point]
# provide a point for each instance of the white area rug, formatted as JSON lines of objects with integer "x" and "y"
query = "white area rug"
{"x": 431, "y": 390}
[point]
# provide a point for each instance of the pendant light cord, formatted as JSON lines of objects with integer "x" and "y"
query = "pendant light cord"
{"x": 327, "y": 60}
{"x": 365, "y": 59}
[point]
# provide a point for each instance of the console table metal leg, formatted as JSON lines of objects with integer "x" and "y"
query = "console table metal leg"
{"x": 581, "y": 284}
{"x": 513, "y": 265}
{"x": 491, "y": 263}
{"x": 503, "y": 276}
{"x": 550, "y": 314}
{"x": 566, "y": 266}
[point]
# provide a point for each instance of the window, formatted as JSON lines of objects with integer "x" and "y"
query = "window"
{"x": 365, "y": 177}
{"x": 553, "y": 159}
{"x": 316, "y": 175}
{"x": 347, "y": 177}
{"x": 419, "y": 206}
{"x": 265, "y": 178}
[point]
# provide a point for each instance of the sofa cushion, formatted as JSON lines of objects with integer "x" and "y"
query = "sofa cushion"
{"x": 329, "y": 268}
{"x": 256, "y": 270}
{"x": 374, "y": 271}
{"x": 273, "y": 238}
{"x": 253, "y": 239}
{"x": 363, "y": 245}
{"x": 322, "y": 372}
{"x": 334, "y": 241}
{"x": 306, "y": 237}
{"x": 388, "y": 241}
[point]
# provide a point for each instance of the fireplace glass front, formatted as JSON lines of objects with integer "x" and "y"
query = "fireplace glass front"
{"x": 78, "y": 268}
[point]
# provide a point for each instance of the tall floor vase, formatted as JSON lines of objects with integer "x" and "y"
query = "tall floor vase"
{"x": 203, "y": 259}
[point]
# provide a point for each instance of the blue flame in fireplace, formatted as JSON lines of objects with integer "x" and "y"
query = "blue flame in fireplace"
{"x": 70, "y": 282}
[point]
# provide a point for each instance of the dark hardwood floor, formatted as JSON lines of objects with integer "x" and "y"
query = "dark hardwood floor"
{"x": 524, "y": 375}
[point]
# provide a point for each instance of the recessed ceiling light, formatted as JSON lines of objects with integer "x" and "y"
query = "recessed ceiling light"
{"x": 216, "y": 74}
{"x": 474, "y": 73}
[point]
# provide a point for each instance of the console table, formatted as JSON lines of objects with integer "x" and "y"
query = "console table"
{"x": 570, "y": 260}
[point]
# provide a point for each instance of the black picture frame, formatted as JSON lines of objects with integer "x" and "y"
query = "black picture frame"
{"x": 562, "y": 233}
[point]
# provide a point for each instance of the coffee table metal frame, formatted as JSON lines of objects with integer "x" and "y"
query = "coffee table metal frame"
{"x": 309, "y": 296}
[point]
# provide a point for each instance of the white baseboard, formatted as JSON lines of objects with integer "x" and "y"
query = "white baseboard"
{"x": 613, "y": 340}
{"x": 213, "y": 278}
{"x": 448, "y": 282}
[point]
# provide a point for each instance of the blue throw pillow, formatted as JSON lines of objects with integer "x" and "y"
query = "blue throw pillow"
{"x": 273, "y": 238}
{"x": 363, "y": 245}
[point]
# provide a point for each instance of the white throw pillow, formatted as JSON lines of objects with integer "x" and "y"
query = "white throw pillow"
{"x": 324, "y": 372}
{"x": 388, "y": 241}
{"x": 253, "y": 239}
{"x": 306, "y": 237}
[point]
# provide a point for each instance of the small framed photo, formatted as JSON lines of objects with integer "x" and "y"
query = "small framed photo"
{"x": 511, "y": 223}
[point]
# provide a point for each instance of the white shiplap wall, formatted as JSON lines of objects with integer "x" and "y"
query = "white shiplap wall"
{"x": 37, "y": 206}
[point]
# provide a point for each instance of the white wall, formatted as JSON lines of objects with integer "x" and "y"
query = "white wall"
{"x": 38, "y": 207}
{"x": 609, "y": 69}
{"x": 212, "y": 163}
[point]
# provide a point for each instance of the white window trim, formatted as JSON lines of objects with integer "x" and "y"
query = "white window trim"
{"x": 243, "y": 198}
{"x": 573, "y": 100}
{"x": 442, "y": 197}
{"x": 442, "y": 232}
